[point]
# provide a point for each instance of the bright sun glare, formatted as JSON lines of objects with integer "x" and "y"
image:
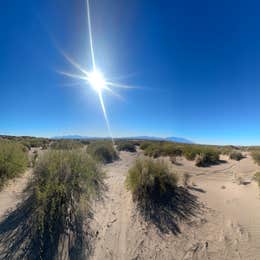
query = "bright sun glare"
{"x": 96, "y": 80}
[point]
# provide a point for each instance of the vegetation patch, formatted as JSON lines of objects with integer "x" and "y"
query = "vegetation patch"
{"x": 102, "y": 151}
{"x": 51, "y": 223}
{"x": 256, "y": 156}
{"x": 13, "y": 160}
{"x": 257, "y": 178}
{"x": 150, "y": 180}
{"x": 157, "y": 149}
{"x": 207, "y": 157}
{"x": 126, "y": 146}
{"x": 157, "y": 196}
{"x": 235, "y": 155}
{"x": 66, "y": 144}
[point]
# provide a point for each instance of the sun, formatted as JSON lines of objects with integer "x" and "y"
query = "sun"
{"x": 96, "y": 80}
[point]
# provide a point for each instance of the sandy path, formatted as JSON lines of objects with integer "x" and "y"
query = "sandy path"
{"x": 112, "y": 216}
{"x": 12, "y": 193}
{"x": 227, "y": 227}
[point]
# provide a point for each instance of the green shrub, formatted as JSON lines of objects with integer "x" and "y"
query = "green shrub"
{"x": 13, "y": 160}
{"x": 126, "y": 146}
{"x": 190, "y": 154}
{"x": 149, "y": 180}
{"x": 158, "y": 149}
{"x": 207, "y": 158}
{"x": 66, "y": 145}
{"x": 64, "y": 184}
{"x": 102, "y": 151}
{"x": 257, "y": 178}
{"x": 256, "y": 156}
{"x": 235, "y": 155}
{"x": 145, "y": 144}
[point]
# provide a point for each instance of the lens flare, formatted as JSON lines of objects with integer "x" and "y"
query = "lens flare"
{"x": 96, "y": 81}
{"x": 94, "y": 78}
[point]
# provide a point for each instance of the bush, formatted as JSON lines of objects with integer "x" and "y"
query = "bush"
{"x": 235, "y": 155}
{"x": 157, "y": 149}
{"x": 66, "y": 145}
{"x": 54, "y": 217}
{"x": 150, "y": 180}
{"x": 257, "y": 178}
{"x": 145, "y": 144}
{"x": 102, "y": 151}
{"x": 13, "y": 160}
{"x": 190, "y": 154}
{"x": 256, "y": 156}
{"x": 126, "y": 146}
{"x": 207, "y": 158}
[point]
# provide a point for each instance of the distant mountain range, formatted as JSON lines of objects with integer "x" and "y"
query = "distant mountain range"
{"x": 171, "y": 139}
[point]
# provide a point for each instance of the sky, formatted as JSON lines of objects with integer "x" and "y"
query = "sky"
{"x": 195, "y": 66}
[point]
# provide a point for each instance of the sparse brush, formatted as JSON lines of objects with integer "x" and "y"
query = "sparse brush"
{"x": 257, "y": 178}
{"x": 126, "y": 146}
{"x": 256, "y": 156}
{"x": 13, "y": 160}
{"x": 190, "y": 154}
{"x": 207, "y": 158}
{"x": 66, "y": 144}
{"x": 103, "y": 151}
{"x": 150, "y": 180}
{"x": 158, "y": 149}
{"x": 145, "y": 144}
{"x": 57, "y": 207}
{"x": 235, "y": 155}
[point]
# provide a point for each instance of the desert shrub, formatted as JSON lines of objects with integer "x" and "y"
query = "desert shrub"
{"x": 235, "y": 155}
{"x": 190, "y": 154}
{"x": 13, "y": 160}
{"x": 136, "y": 142}
{"x": 84, "y": 142}
{"x": 153, "y": 150}
{"x": 66, "y": 144}
{"x": 257, "y": 178}
{"x": 102, "y": 151}
{"x": 57, "y": 207}
{"x": 149, "y": 180}
{"x": 145, "y": 144}
{"x": 157, "y": 149}
{"x": 30, "y": 142}
{"x": 170, "y": 149}
{"x": 126, "y": 146}
{"x": 256, "y": 156}
{"x": 206, "y": 158}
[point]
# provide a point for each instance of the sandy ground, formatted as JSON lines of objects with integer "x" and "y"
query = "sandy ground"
{"x": 223, "y": 221}
{"x": 12, "y": 193}
{"x": 226, "y": 225}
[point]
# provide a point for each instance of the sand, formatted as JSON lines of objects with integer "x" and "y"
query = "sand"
{"x": 222, "y": 222}
{"x": 12, "y": 193}
{"x": 225, "y": 226}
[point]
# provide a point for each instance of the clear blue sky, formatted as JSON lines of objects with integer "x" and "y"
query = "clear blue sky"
{"x": 197, "y": 63}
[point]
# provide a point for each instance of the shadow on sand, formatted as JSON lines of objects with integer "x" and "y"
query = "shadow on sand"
{"x": 20, "y": 239}
{"x": 196, "y": 189}
{"x": 15, "y": 233}
{"x": 169, "y": 210}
